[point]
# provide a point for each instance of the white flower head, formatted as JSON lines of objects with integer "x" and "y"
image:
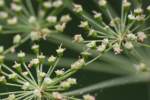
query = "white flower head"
{"x": 3, "y": 15}
{"x": 102, "y": 3}
{"x": 128, "y": 45}
{"x": 47, "y": 4}
{"x": 65, "y": 18}
{"x": 88, "y": 97}
{"x": 16, "y": 7}
{"x": 141, "y": 36}
{"x": 57, "y": 3}
{"x": 52, "y": 19}
{"x": 17, "y": 39}
{"x": 77, "y": 8}
{"x": 78, "y": 64}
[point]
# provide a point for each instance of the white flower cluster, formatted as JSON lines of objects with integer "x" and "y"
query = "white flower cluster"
{"x": 119, "y": 34}
{"x": 36, "y": 80}
{"x": 21, "y": 17}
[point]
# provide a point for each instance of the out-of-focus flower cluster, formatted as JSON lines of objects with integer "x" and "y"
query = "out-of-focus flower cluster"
{"x": 123, "y": 32}
{"x": 38, "y": 19}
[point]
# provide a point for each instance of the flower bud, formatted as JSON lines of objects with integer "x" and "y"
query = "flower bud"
{"x": 57, "y": 3}
{"x": 51, "y": 60}
{"x": 65, "y": 18}
{"x": 59, "y": 72}
{"x": 26, "y": 86}
{"x": 91, "y": 44}
{"x": 16, "y": 39}
{"x": 35, "y": 62}
{"x": 78, "y": 38}
{"x": 52, "y": 19}
{"x": 128, "y": 45}
{"x": 77, "y": 8}
{"x": 102, "y": 3}
{"x": 35, "y": 48}
{"x": 21, "y": 56}
{"x": 60, "y": 51}
{"x": 13, "y": 77}
{"x": 41, "y": 58}
{"x": 78, "y": 64}
{"x": 17, "y": 67}
{"x": 88, "y": 97}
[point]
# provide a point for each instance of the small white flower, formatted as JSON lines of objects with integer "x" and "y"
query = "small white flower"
{"x": 140, "y": 67}
{"x": 131, "y": 17}
{"x": 2, "y": 79}
{"x": 131, "y": 37}
{"x": 42, "y": 74}
{"x": 105, "y": 41}
{"x": 72, "y": 81}
{"x": 47, "y": 4}
{"x": 141, "y": 36}
{"x": 34, "y": 35}
{"x": 101, "y": 48}
{"x": 17, "y": 39}
{"x": 51, "y": 59}
{"x": 138, "y": 10}
{"x": 21, "y": 55}
{"x": 32, "y": 19}
{"x": 148, "y": 8}
{"x": 3, "y": 15}
{"x": 59, "y": 72}
{"x": 78, "y": 64}
{"x": 126, "y": 4}
{"x": 26, "y": 86}
{"x": 52, "y": 19}
{"x": 84, "y": 24}
{"x": 78, "y": 38}
{"x": 13, "y": 76}
{"x": 65, "y": 84}
{"x": 92, "y": 32}
{"x": 60, "y": 50}
{"x": 97, "y": 15}
{"x": 16, "y": 7}
{"x": 128, "y": 45}
{"x": 60, "y": 27}
{"x": 91, "y": 44}
{"x": 65, "y": 18}
{"x": 57, "y": 3}
{"x": 35, "y": 61}
{"x": 12, "y": 21}
{"x": 102, "y": 3}
{"x": 47, "y": 80}
{"x": 117, "y": 48}
{"x": 77, "y": 8}
{"x": 37, "y": 93}
{"x": 88, "y": 97}
{"x": 57, "y": 96}
{"x": 140, "y": 17}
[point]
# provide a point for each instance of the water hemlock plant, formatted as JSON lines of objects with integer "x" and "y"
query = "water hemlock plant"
{"x": 36, "y": 81}
{"x": 40, "y": 76}
{"x": 118, "y": 33}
